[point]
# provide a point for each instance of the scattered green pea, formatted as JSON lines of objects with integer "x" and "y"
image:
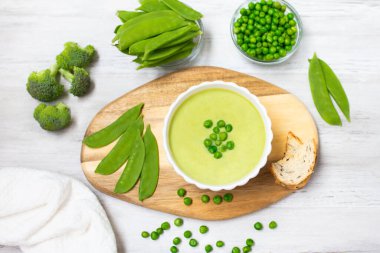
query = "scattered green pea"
{"x": 223, "y": 148}
{"x": 178, "y": 222}
{"x": 218, "y": 142}
{"x": 145, "y": 234}
{"x": 216, "y": 130}
{"x": 203, "y": 229}
{"x": 258, "y": 226}
{"x": 213, "y": 136}
{"x": 219, "y": 244}
{"x": 181, "y": 192}
{"x": 236, "y": 250}
{"x": 250, "y": 242}
{"x": 218, "y": 199}
{"x": 207, "y": 143}
{"x": 208, "y": 248}
{"x": 205, "y": 198}
{"x": 228, "y": 197}
{"x": 208, "y": 123}
{"x": 221, "y": 123}
{"x": 230, "y": 145}
{"x": 272, "y": 224}
{"x": 247, "y": 249}
{"x": 160, "y": 231}
{"x": 218, "y": 155}
{"x": 193, "y": 243}
{"x": 223, "y": 136}
{"x": 173, "y": 249}
{"x": 228, "y": 128}
{"x": 154, "y": 235}
{"x": 177, "y": 241}
{"x": 187, "y": 234}
{"x": 165, "y": 225}
{"x": 188, "y": 201}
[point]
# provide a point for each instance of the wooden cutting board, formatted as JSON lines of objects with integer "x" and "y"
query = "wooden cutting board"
{"x": 285, "y": 110}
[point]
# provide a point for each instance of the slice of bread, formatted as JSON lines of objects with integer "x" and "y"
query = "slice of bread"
{"x": 295, "y": 169}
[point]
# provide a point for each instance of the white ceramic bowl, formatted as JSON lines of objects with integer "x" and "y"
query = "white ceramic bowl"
{"x": 255, "y": 102}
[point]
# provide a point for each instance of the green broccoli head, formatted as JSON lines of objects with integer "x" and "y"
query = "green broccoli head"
{"x": 80, "y": 81}
{"x": 43, "y": 85}
{"x": 52, "y": 117}
{"x": 73, "y": 55}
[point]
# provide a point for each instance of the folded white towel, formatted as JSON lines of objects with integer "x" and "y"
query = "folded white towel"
{"x": 45, "y": 212}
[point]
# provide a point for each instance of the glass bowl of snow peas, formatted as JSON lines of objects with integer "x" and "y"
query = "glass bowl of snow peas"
{"x": 266, "y": 32}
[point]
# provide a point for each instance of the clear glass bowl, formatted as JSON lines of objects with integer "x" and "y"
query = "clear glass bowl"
{"x": 199, "y": 41}
{"x": 289, "y": 9}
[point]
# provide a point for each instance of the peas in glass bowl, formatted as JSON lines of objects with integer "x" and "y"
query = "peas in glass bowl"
{"x": 266, "y": 32}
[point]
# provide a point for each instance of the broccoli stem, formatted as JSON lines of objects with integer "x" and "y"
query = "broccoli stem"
{"x": 67, "y": 75}
{"x": 54, "y": 70}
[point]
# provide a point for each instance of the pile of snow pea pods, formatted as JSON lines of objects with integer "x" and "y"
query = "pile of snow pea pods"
{"x": 158, "y": 32}
{"x": 141, "y": 152}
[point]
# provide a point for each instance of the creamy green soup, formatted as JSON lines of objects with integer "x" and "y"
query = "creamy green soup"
{"x": 187, "y": 133}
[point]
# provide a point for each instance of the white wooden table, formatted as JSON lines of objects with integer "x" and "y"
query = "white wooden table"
{"x": 339, "y": 211}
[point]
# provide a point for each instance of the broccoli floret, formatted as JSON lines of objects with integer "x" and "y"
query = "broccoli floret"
{"x": 52, "y": 117}
{"x": 73, "y": 55}
{"x": 43, "y": 85}
{"x": 80, "y": 81}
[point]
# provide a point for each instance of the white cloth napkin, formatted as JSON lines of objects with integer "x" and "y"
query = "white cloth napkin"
{"x": 45, "y": 212}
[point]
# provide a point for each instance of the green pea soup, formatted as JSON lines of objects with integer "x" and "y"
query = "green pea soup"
{"x": 187, "y": 133}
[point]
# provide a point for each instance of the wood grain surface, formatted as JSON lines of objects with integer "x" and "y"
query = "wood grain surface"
{"x": 287, "y": 113}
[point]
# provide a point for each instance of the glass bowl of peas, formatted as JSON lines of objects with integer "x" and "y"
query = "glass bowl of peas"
{"x": 266, "y": 32}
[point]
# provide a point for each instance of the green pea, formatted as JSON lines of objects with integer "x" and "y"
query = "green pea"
{"x": 218, "y": 155}
{"x": 213, "y": 136}
{"x": 187, "y": 234}
{"x": 247, "y": 249}
{"x": 165, "y": 225}
{"x": 217, "y": 199}
{"x": 212, "y": 149}
{"x": 228, "y": 197}
{"x": 178, "y": 222}
{"x": 154, "y": 235}
{"x": 251, "y": 6}
{"x": 223, "y": 136}
{"x": 207, "y": 143}
{"x": 203, "y": 229}
{"x": 236, "y": 250}
{"x": 223, "y": 148}
{"x": 218, "y": 142}
{"x": 258, "y": 226}
{"x": 145, "y": 234}
{"x": 181, "y": 192}
{"x": 193, "y": 243}
{"x": 160, "y": 231}
{"x": 250, "y": 242}
{"x": 219, "y": 244}
{"x": 188, "y": 201}
{"x": 173, "y": 249}
{"x": 272, "y": 225}
{"x": 208, "y": 123}
{"x": 230, "y": 145}
{"x": 208, "y": 248}
{"x": 177, "y": 241}
{"x": 205, "y": 198}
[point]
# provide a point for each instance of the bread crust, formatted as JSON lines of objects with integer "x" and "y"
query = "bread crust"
{"x": 312, "y": 166}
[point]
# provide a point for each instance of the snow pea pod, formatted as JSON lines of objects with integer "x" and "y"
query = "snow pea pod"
{"x": 154, "y": 23}
{"x": 320, "y": 93}
{"x": 132, "y": 170}
{"x": 150, "y": 170}
{"x": 167, "y": 52}
{"x": 113, "y": 131}
{"x": 336, "y": 89}
{"x": 183, "y": 10}
{"x": 152, "y": 5}
{"x": 161, "y": 40}
{"x": 187, "y": 37}
{"x": 122, "y": 150}
{"x": 180, "y": 55}
{"x": 125, "y": 16}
